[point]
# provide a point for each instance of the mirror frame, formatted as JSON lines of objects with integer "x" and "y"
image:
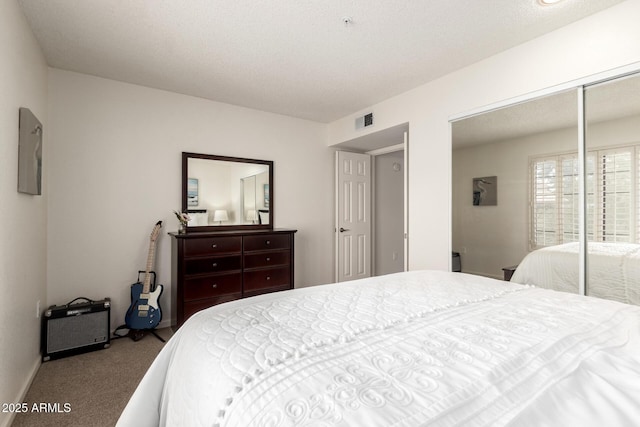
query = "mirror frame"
{"x": 208, "y": 228}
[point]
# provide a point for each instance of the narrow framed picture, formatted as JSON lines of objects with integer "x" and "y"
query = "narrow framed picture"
{"x": 29, "y": 153}
{"x": 192, "y": 192}
{"x": 485, "y": 191}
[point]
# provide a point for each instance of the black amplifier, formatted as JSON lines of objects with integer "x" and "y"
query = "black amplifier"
{"x": 75, "y": 328}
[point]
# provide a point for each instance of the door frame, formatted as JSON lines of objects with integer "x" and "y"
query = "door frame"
{"x": 404, "y": 146}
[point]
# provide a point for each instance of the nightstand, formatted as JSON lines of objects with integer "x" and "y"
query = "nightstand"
{"x": 508, "y": 272}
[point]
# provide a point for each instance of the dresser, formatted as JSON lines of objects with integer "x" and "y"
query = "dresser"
{"x": 210, "y": 268}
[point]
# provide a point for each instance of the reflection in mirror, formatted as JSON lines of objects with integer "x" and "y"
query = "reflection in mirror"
{"x": 612, "y": 138}
{"x": 224, "y": 192}
{"x": 255, "y": 190}
{"x": 249, "y": 197}
{"x": 523, "y": 148}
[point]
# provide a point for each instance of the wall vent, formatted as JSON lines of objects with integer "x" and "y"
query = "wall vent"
{"x": 364, "y": 121}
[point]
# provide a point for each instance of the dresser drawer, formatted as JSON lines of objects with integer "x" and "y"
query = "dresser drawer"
{"x": 212, "y": 286}
{"x": 267, "y": 278}
{"x": 194, "y": 306}
{"x": 212, "y": 245}
{"x": 267, "y": 242}
{"x": 212, "y": 264}
{"x": 267, "y": 259}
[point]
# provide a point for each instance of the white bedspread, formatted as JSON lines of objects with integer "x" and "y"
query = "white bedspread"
{"x": 613, "y": 270}
{"x": 409, "y": 349}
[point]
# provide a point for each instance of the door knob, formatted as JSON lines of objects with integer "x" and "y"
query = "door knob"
{"x": 342, "y": 230}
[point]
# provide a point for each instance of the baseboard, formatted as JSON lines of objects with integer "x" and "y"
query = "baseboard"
{"x": 25, "y": 389}
{"x": 164, "y": 324}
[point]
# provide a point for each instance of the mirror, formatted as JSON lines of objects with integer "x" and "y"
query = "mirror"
{"x": 256, "y": 198}
{"x": 532, "y": 232}
{"x": 226, "y": 192}
{"x": 512, "y": 158}
{"x": 612, "y": 137}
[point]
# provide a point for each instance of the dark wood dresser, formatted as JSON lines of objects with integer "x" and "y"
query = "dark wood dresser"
{"x": 210, "y": 268}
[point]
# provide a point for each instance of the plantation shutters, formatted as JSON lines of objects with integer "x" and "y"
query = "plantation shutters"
{"x": 613, "y": 197}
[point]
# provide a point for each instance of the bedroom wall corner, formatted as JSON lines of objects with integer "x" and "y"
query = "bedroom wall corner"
{"x": 23, "y": 83}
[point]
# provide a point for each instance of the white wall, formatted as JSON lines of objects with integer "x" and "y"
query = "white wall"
{"x": 600, "y": 42}
{"x": 23, "y": 83}
{"x": 389, "y": 213}
{"x": 115, "y": 170}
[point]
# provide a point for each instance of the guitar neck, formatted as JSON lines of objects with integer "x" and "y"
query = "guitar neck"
{"x": 147, "y": 275}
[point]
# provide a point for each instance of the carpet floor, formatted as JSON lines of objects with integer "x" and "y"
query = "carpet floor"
{"x": 89, "y": 389}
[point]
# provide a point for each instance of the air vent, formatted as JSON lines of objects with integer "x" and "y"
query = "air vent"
{"x": 364, "y": 121}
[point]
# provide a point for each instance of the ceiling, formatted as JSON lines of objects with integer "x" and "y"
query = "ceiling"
{"x": 616, "y": 99}
{"x": 292, "y": 57}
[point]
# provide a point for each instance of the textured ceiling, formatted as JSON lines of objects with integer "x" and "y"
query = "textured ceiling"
{"x": 293, "y": 57}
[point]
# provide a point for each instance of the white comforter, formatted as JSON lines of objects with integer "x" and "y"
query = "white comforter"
{"x": 613, "y": 270}
{"x": 409, "y": 349}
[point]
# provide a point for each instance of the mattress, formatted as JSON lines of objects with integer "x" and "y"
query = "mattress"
{"x": 613, "y": 270}
{"x": 408, "y": 349}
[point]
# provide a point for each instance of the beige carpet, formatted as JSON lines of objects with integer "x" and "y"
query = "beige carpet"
{"x": 94, "y": 386}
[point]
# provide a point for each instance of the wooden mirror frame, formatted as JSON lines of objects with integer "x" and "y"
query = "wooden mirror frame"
{"x": 208, "y": 228}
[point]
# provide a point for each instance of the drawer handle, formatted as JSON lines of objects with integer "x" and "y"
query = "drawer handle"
{"x": 268, "y": 242}
{"x": 268, "y": 259}
{"x": 215, "y": 285}
{"x": 214, "y": 245}
{"x": 215, "y": 264}
{"x": 268, "y": 277}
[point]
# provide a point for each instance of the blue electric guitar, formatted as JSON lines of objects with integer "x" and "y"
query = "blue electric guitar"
{"x": 144, "y": 311}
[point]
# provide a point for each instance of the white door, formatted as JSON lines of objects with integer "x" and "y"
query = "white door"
{"x": 353, "y": 216}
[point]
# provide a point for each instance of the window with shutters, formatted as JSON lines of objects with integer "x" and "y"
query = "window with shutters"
{"x": 612, "y": 193}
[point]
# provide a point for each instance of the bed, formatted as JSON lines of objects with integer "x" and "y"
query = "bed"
{"x": 408, "y": 349}
{"x": 614, "y": 270}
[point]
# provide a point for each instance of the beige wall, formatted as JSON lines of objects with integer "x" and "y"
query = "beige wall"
{"x": 600, "y": 42}
{"x": 23, "y": 83}
{"x": 115, "y": 170}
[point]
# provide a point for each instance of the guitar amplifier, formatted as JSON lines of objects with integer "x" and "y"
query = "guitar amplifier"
{"x": 75, "y": 328}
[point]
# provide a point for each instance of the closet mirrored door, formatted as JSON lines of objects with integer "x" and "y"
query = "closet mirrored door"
{"x": 612, "y": 135}
{"x": 515, "y": 198}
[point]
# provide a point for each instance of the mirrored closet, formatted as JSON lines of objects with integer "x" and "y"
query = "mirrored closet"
{"x": 612, "y": 149}
{"x": 539, "y": 199}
